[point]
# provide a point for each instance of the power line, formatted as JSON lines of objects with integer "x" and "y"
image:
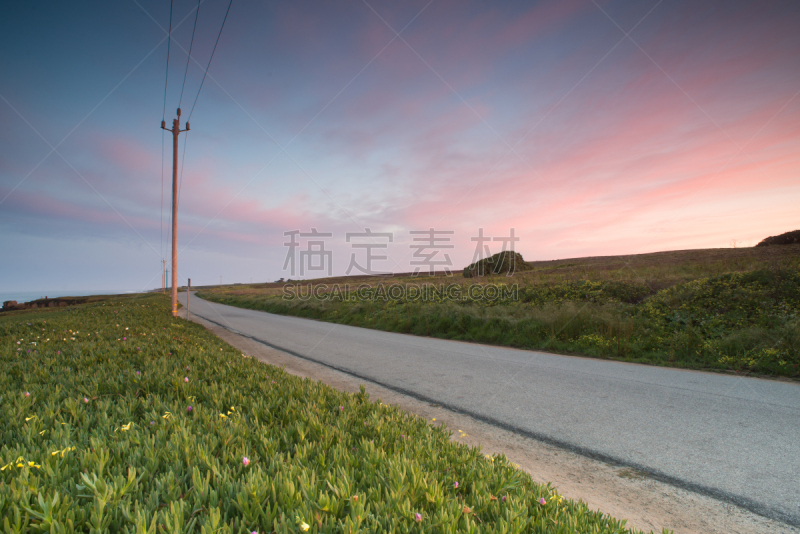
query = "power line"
{"x": 161, "y": 249}
{"x": 163, "y": 116}
{"x": 166, "y": 82}
{"x": 189, "y": 56}
{"x": 209, "y": 60}
{"x": 183, "y": 159}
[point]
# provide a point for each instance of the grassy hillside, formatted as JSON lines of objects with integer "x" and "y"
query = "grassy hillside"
{"x": 115, "y": 417}
{"x": 724, "y": 309}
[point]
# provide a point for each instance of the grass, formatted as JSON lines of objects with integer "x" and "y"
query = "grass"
{"x": 735, "y": 310}
{"x": 116, "y": 417}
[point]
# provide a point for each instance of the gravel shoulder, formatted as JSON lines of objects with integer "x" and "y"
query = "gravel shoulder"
{"x": 645, "y": 503}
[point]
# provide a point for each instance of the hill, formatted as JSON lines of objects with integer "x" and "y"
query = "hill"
{"x": 788, "y": 238}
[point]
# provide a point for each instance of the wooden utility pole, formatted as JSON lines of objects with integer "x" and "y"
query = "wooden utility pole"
{"x": 176, "y": 130}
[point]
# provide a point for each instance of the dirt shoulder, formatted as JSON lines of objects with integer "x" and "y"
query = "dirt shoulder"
{"x": 645, "y": 503}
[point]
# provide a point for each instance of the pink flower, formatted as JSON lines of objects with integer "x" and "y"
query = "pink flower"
{"x": 504, "y": 498}
{"x": 542, "y": 501}
{"x": 245, "y": 461}
{"x": 124, "y": 338}
{"x": 455, "y": 485}
{"x": 418, "y": 517}
{"x": 85, "y": 400}
{"x": 189, "y": 409}
{"x": 341, "y": 408}
{"x": 27, "y": 394}
{"x": 185, "y": 378}
{"x": 187, "y": 367}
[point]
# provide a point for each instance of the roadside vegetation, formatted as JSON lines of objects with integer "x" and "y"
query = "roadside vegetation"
{"x": 735, "y": 310}
{"x": 116, "y": 417}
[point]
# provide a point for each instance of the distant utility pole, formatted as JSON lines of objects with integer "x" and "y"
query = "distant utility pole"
{"x": 176, "y": 130}
{"x": 163, "y": 276}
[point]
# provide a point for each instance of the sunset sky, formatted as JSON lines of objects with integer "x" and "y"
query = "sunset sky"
{"x": 589, "y": 127}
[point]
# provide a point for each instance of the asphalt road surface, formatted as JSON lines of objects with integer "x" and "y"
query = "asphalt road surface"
{"x": 734, "y": 438}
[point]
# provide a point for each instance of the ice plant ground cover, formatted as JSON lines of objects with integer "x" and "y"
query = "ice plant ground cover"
{"x": 736, "y": 310}
{"x": 100, "y": 431}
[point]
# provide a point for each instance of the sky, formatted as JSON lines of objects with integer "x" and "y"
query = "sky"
{"x": 586, "y": 127}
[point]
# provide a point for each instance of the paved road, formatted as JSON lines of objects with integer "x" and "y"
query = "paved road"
{"x": 734, "y": 438}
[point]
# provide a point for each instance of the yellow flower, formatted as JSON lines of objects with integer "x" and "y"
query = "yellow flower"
{"x": 303, "y": 526}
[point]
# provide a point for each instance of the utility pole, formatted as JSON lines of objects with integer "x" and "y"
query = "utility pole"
{"x": 163, "y": 276}
{"x": 176, "y": 130}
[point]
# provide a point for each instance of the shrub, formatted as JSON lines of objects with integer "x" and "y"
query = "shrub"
{"x": 788, "y": 238}
{"x": 500, "y": 263}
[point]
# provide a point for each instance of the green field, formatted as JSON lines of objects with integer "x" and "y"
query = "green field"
{"x": 733, "y": 310}
{"x": 117, "y": 417}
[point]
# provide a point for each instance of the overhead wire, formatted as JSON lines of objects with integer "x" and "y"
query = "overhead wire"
{"x": 186, "y": 138}
{"x": 209, "y": 59}
{"x": 166, "y": 82}
{"x": 189, "y": 55}
{"x": 183, "y": 159}
{"x": 163, "y": 116}
{"x": 180, "y": 101}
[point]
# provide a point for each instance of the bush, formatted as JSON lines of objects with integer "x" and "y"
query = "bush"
{"x": 500, "y": 263}
{"x": 788, "y": 238}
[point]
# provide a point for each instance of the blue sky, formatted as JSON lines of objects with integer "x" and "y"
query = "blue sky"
{"x": 591, "y": 128}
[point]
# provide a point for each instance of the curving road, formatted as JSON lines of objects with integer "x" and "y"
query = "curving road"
{"x": 734, "y": 438}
